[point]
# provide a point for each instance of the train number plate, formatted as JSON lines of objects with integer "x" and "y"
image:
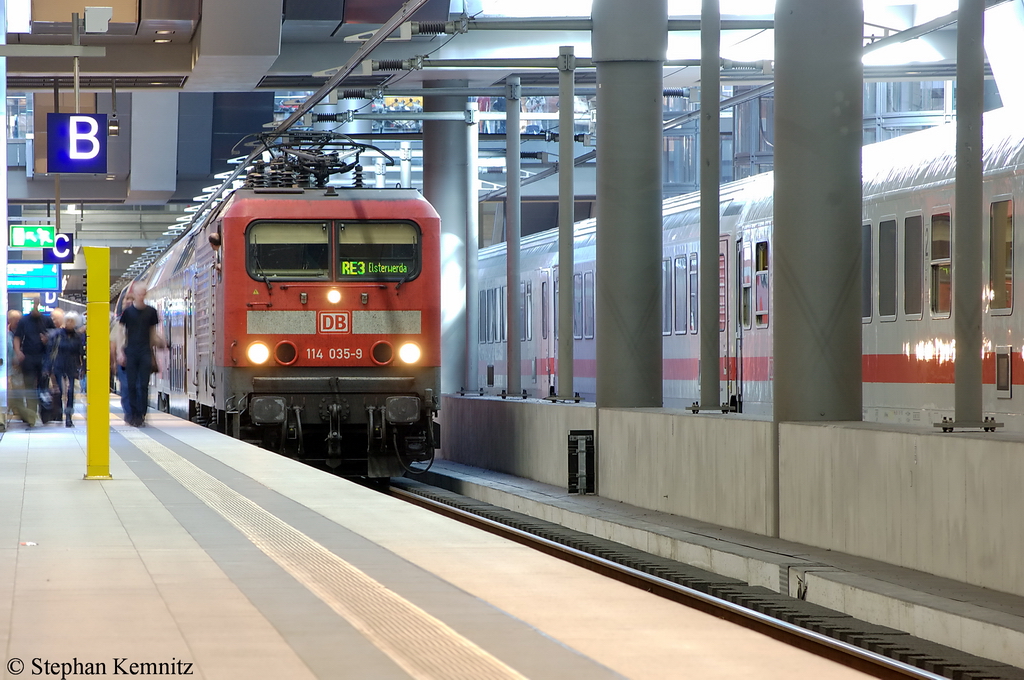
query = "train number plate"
{"x": 333, "y": 322}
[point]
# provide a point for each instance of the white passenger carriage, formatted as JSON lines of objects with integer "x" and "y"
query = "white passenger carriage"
{"x": 908, "y": 333}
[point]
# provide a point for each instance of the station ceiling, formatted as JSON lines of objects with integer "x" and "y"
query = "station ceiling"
{"x": 284, "y": 45}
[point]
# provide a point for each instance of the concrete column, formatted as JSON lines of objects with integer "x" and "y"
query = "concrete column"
{"x": 967, "y": 221}
{"x": 566, "y": 211}
{"x": 513, "y": 230}
{"x": 629, "y": 42}
{"x": 710, "y": 176}
{"x": 814, "y": 308}
{"x": 154, "y": 132}
{"x": 444, "y": 171}
{"x": 472, "y": 245}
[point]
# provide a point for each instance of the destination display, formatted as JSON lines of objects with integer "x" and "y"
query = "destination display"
{"x": 371, "y": 268}
{"x": 33, "y": 276}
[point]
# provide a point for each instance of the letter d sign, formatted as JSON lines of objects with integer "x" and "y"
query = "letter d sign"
{"x": 76, "y": 142}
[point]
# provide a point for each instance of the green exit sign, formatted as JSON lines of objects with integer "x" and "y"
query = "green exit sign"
{"x": 32, "y": 236}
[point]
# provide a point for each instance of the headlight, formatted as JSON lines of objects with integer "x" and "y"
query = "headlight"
{"x": 258, "y": 353}
{"x": 409, "y": 353}
{"x": 334, "y": 296}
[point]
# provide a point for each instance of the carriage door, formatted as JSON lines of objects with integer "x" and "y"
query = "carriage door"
{"x": 727, "y": 367}
{"x": 546, "y": 346}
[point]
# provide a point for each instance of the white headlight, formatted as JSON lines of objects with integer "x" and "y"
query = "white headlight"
{"x": 258, "y": 353}
{"x": 409, "y": 353}
{"x": 334, "y": 296}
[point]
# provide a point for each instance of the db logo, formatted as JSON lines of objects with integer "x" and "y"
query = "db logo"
{"x": 333, "y": 322}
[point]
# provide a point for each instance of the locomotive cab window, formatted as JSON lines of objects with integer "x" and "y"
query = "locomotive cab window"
{"x": 378, "y": 251}
{"x": 288, "y": 250}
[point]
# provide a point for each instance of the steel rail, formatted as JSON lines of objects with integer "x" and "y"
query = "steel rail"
{"x": 841, "y": 652}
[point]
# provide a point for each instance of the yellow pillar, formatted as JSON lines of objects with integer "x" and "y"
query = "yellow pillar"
{"x": 97, "y": 362}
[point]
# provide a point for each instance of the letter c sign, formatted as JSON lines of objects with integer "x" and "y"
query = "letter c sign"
{"x": 62, "y": 252}
{"x": 76, "y": 142}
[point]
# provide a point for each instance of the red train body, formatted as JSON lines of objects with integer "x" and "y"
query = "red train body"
{"x": 313, "y": 328}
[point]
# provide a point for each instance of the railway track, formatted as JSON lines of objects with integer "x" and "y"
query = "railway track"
{"x": 874, "y": 650}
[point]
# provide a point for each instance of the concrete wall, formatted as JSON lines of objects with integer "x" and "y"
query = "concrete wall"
{"x": 714, "y": 468}
{"x": 946, "y": 504}
{"x": 523, "y": 438}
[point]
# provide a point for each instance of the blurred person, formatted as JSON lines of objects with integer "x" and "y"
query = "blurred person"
{"x": 30, "y": 337}
{"x": 57, "y": 317}
{"x": 116, "y": 354}
{"x": 65, "y": 349}
{"x": 15, "y": 381}
{"x": 140, "y": 337}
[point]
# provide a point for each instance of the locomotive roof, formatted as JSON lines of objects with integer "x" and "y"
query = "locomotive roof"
{"x": 342, "y": 193}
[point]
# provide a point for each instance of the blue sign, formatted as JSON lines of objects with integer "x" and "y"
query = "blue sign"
{"x": 32, "y": 276}
{"x": 63, "y": 250}
{"x": 76, "y": 142}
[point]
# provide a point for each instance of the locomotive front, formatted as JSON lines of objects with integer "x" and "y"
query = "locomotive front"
{"x": 329, "y": 304}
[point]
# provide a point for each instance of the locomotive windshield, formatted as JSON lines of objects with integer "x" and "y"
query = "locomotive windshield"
{"x": 289, "y": 250}
{"x": 378, "y": 251}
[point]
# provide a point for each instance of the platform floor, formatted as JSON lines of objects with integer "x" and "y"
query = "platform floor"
{"x": 207, "y": 557}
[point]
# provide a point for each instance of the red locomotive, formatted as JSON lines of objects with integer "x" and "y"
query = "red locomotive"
{"x": 307, "y": 317}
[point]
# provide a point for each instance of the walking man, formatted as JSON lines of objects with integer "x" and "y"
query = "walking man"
{"x": 140, "y": 337}
{"x": 30, "y": 351}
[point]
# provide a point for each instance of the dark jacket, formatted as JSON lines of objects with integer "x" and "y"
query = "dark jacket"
{"x": 64, "y": 352}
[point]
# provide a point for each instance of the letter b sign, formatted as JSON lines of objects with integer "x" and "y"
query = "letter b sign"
{"x": 76, "y": 142}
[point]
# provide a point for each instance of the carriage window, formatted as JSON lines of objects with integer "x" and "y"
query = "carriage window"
{"x": 666, "y": 297}
{"x": 577, "y": 306}
{"x": 525, "y": 310}
{"x": 502, "y": 318}
{"x": 481, "y": 318}
{"x": 588, "y": 304}
{"x": 529, "y": 310}
{"x": 761, "y": 284}
{"x": 1001, "y": 254}
{"x": 942, "y": 265}
{"x": 544, "y": 310}
{"x": 554, "y": 305}
{"x": 378, "y": 251}
{"x": 913, "y": 262}
{"x": 721, "y": 292}
{"x": 887, "y": 268}
{"x": 493, "y": 314}
{"x": 865, "y": 272}
{"x": 522, "y": 311}
{"x": 693, "y": 293}
{"x": 288, "y": 250}
{"x": 679, "y": 285}
{"x": 746, "y": 283}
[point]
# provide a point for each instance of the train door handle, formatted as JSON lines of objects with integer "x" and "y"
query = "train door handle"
{"x": 234, "y": 344}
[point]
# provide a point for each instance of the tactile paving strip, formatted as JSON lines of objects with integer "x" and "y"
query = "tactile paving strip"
{"x": 895, "y": 644}
{"x": 420, "y": 644}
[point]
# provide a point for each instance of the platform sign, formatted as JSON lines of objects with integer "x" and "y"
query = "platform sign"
{"x": 76, "y": 142}
{"x": 63, "y": 250}
{"x": 32, "y": 276}
{"x": 32, "y": 236}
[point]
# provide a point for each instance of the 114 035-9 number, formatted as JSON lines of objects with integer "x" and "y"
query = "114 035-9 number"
{"x": 334, "y": 353}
